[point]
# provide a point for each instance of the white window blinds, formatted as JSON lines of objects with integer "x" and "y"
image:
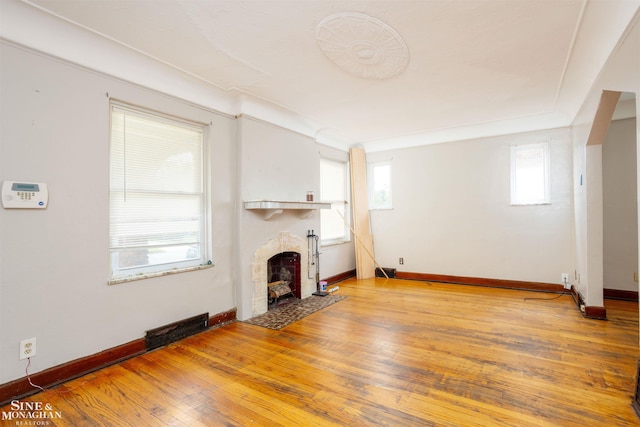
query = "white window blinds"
{"x": 156, "y": 192}
{"x": 333, "y": 189}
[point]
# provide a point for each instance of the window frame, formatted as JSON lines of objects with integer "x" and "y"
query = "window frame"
{"x": 346, "y": 237}
{"x": 125, "y": 274}
{"x": 546, "y": 164}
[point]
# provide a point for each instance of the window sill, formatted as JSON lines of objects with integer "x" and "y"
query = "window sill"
{"x": 142, "y": 276}
{"x": 334, "y": 243}
{"x": 515, "y": 205}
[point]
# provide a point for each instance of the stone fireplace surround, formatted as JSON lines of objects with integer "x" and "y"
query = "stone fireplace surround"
{"x": 284, "y": 242}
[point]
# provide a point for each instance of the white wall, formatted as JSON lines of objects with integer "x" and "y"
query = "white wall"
{"x": 451, "y": 212}
{"x": 54, "y": 263}
{"x": 620, "y": 73}
{"x": 592, "y": 270}
{"x": 620, "y": 206}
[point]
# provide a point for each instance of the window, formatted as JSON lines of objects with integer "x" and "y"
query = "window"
{"x": 334, "y": 184}
{"x": 530, "y": 174}
{"x": 380, "y": 185}
{"x": 157, "y": 194}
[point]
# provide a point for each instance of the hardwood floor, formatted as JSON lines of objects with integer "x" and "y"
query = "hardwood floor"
{"x": 395, "y": 353}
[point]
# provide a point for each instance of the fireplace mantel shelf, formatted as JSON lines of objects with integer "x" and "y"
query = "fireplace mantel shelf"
{"x": 269, "y": 208}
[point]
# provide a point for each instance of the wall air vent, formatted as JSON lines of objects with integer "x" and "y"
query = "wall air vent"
{"x": 390, "y": 272}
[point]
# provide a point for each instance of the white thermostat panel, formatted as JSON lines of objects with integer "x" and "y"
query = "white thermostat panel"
{"x": 24, "y": 195}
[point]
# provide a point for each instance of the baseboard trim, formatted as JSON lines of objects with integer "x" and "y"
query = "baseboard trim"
{"x": 59, "y": 374}
{"x": 595, "y": 312}
{"x": 223, "y": 318}
{"x": 620, "y": 295}
{"x": 340, "y": 277}
{"x": 591, "y": 312}
{"x": 588, "y": 311}
{"x": 479, "y": 281}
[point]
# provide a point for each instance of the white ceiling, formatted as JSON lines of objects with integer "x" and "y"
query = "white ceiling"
{"x": 476, "y": 67}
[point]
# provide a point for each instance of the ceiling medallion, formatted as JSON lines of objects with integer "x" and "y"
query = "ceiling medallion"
{"x": 362, "y": 45}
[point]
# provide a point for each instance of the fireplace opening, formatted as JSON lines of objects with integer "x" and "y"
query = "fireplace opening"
{"x": 283, "y": 285}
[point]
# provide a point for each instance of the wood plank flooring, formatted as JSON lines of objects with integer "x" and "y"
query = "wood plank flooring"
{"x": 394, "y": 353}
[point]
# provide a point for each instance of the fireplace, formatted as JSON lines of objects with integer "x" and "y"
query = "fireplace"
{"x": 284, "y": 251}
{"x": 283, "y": 277}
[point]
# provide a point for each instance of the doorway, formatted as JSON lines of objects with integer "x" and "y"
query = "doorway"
{"x": 620, "y": 206}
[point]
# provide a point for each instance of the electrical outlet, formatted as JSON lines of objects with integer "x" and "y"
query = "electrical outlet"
{"x": 401, "y": 261}
{"x": 635, "y": 276}
{"x": 27, "y": 348}
{"x": 565, "y": 280}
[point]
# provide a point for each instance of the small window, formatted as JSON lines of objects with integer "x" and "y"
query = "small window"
{"x": 380, "y": 185}
{"x": 334, "y": 189}
{"x": 530, "y": 174}
{"x": 157, "y": 194}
